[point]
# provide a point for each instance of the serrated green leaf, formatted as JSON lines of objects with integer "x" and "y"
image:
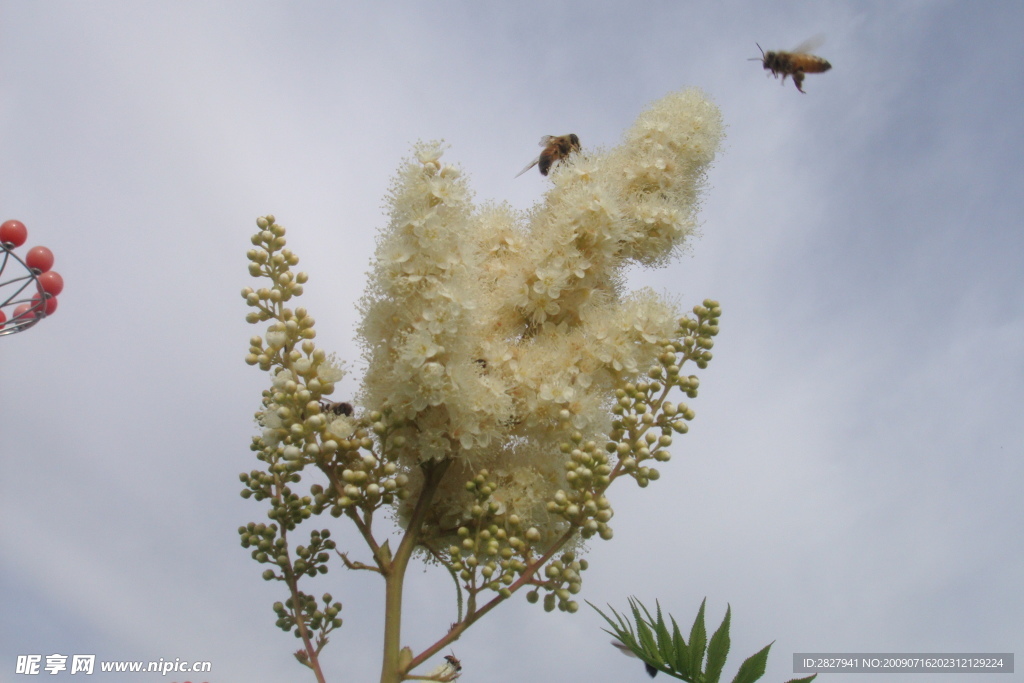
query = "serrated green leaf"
{"x": 622, "y": 631}
{"x": 647, "y": 618}
{"x": 682, "y": 660}
{"x": 667, "y": 652}
{"x": 698, "y": 639}
{"x": 718, "y": 649}
{"x": 646, "y": 638}
{"x": 627, "y": 624}
{"x": 665, "y": 647}
{"x": 605, "y": 616}
{"x": 753, "y": 668}
{"x": 626, "y": 628}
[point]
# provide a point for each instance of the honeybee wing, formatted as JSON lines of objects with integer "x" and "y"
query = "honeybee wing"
{"x": 651, "y": 671}
{"x": 810, "y": 45}
{"x": 531, "y": 165}
{"x": 545, "y": 140}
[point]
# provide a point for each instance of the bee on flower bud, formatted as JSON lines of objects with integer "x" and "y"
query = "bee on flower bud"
{"x": 649, "y": 668}
{"x": 336, "y": 408}
{"x": 555, "y": 149}
{"x": 796, "y": 63}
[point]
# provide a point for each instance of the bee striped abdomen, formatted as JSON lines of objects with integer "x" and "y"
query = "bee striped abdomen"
{"x": 811, "y": 64}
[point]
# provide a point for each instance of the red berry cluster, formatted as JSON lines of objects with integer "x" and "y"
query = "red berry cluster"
{"x": 38, "y": 261}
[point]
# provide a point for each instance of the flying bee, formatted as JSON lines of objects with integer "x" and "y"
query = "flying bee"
{"x": 555, "y": 148}
{"x": 336, "y": 408}
{"x": 796, "y": 63}
{"x": 651, "y": 670}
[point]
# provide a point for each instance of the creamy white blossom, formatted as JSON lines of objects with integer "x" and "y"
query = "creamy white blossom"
{"x": 276, "y": 338}
{"x": 483, "y": 329}
{"x": 282, "y": 378}
{"x": 341, "y": 427}
{"x": 330, "y": 372}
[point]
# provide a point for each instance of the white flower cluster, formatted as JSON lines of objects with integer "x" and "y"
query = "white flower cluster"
{"x": 491, "y": 336}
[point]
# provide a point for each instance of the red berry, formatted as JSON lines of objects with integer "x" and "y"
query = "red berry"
{"x": 51, "y": 282}
{"x": 3, "y": 319}
{"x": 49, "y": 306}
{"x": 39, "y": 258}
{"x": 22, "y": 311}
{"x": 13, "y": 232}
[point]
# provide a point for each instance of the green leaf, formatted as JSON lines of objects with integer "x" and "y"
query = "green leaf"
{"x": 753, "y": 668}
{"x": 718, "y": 649}
{"x": 623, "y": 631}
{"x": 665, "y": 646}
{"x": 649, "y": 638}
{"x": 646, "y": 638}
{"x": 698, "y": 640}
{"x": 681, "y": 662}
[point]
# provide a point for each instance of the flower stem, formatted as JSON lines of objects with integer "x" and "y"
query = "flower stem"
{"x": 394, "y": 569}
{"x": 312, "y": 658}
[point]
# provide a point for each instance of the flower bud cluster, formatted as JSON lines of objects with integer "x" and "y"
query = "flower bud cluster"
{"x": 360, "y": 477}
{"x": 291, "y": 328}
{"x": 588, "y": 474}
{"x": 269, "y": 258}
{"x": 493, "y": 549}
{"x": 697, "y": 334}
{"x": 293, "y": 420}
{"x": 287, "y": 507}
{"x": 323, "y": 620}
{"x": 312, "y": 558}
{"x": 562, "y": 580}
{"x": 267, "y": 546}
{"x": 641, "y": 409}
{"x": 270, "y": 548}
{"x": 295, "y": 427}
{"x": 300, "y": 428}
{"x": 259, "y": 485}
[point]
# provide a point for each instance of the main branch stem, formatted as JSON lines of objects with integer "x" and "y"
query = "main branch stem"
{"x": 394, "y": 573}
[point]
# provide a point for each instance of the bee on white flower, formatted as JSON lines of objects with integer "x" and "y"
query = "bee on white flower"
{"x": 556, "y": 148}
{"x": 336, "y": 408}
{"x": 449, "y": 671}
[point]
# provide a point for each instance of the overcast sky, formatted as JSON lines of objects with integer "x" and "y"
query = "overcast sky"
{"x": 852, "y": 480}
